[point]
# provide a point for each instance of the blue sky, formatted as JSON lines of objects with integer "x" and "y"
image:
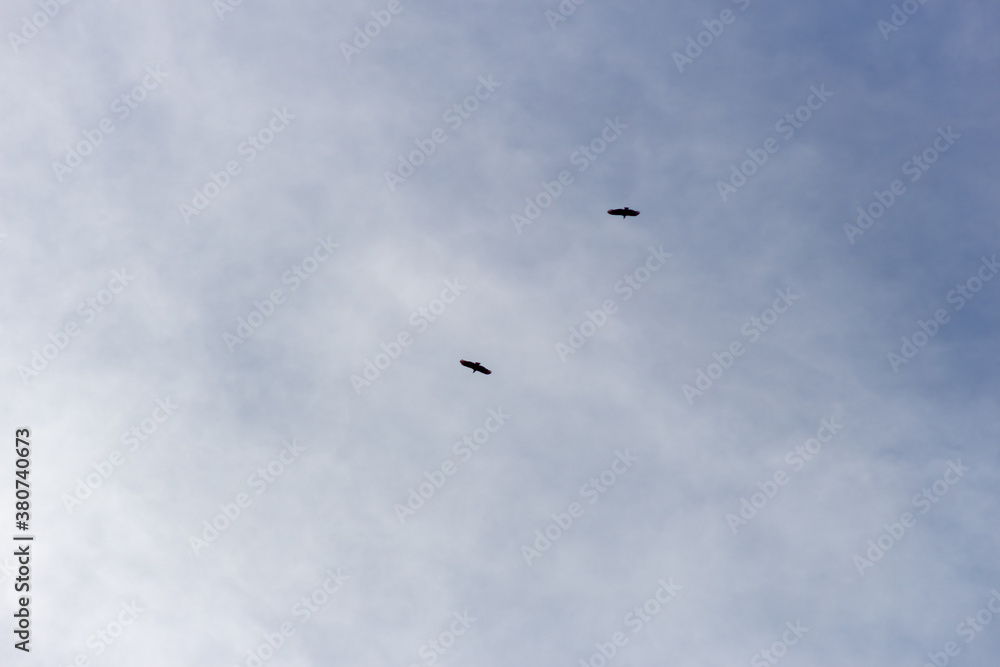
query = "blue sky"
{"x": 742, "y": 460}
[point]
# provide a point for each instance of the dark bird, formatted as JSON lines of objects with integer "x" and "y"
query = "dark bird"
{"x": 475, "y": 366}
{"x": 623, "y": 212}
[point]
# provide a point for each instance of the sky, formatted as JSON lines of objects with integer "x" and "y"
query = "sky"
{"x": 243, "y": 247}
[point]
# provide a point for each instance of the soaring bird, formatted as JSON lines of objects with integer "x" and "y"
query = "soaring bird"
{"x": 475, "y": 366}
{"x": 623, "y": 212}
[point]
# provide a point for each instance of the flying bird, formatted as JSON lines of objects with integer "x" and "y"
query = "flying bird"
{"x": 475, "y": 366}
{"x": 623, "y": 212}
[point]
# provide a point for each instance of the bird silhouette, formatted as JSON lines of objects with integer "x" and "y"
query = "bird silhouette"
{"x": 623, "y": 212}
{"x": 475, "y": 366}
